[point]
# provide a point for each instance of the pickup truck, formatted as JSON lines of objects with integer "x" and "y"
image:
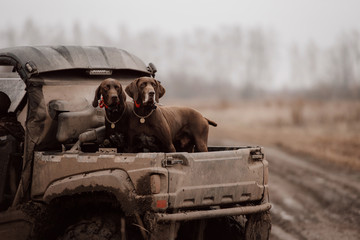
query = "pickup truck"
{"x": 72, "y": 187}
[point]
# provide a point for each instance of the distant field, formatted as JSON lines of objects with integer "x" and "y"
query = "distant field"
{"x": 328, "y": 131}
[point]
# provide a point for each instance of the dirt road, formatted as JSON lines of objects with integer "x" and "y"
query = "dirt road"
{"x": 312, "y": 200}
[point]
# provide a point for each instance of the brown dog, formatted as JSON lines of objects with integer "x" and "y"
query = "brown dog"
{"x": 171, "y": 126}
{"x": 117, "y": 112}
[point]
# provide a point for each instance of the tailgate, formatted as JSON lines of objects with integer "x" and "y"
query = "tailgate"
{"x": 213, "y": 178}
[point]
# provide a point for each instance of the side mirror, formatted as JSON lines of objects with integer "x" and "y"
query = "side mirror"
{"x": 152, "y": 69}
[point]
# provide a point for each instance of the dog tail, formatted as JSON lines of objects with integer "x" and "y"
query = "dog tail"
{"x": 211, "y": 122}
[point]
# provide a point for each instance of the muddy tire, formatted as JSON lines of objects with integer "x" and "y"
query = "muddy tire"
{"x": 96, "y": 227}
{"x": 224, "y": 228}
{"x": 258, "y": 226}
{"x": 228, "y": 228}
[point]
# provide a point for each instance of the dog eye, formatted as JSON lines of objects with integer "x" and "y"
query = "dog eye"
{"x": 153, "y": 84}
{"x": 142, "y": 85}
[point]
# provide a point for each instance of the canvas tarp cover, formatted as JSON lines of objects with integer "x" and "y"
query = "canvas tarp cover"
{"x": 55, "y": 58}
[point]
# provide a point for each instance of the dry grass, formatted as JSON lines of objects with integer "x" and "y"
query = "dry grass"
{"x": 328, "y": 131}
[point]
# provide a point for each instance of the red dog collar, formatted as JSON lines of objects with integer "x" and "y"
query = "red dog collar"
{"x": 137, "y": 105}
{"x": 102, "y": 103}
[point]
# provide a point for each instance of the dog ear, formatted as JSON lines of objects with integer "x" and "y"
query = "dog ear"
{"x": 120, "y": 92}
{"x": 97, "y": 97}
{"x": 160, "y": 91}
{"x": 132, "y": 89}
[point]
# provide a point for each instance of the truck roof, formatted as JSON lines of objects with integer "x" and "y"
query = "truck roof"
{"x": 29, "y": 60}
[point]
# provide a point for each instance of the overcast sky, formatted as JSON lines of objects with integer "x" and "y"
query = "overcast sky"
{"x": 292, "y": 20}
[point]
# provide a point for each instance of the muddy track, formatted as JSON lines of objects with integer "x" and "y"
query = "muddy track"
{"x": 312, "y": 200}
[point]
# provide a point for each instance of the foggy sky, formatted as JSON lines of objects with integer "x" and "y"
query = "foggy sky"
{"x": 293, "y": 21}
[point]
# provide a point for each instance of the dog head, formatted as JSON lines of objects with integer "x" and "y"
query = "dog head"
{"x": 111, "y": 91}
{"x": 145, "y": 90}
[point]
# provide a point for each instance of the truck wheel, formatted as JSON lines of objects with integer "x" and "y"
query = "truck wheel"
{"x": 258, "y": 226}
{"x": 96, "y": 227}
{"x": 224, "y": 228}
{"x": 229, "y": 228}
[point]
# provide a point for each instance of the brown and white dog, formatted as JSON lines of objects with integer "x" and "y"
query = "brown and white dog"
{"x": 117, "y": 111}
{"x": 175, "y": 128}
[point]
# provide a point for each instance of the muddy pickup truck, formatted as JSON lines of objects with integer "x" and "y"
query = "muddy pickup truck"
{"x": 71, "y": 186}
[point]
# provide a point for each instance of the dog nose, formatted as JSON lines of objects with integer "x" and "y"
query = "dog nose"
{"x": 114, "y": 98}
{"x": 151, "y": 94}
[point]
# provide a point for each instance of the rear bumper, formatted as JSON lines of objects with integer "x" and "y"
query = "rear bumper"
{"x": 195, "y": 215}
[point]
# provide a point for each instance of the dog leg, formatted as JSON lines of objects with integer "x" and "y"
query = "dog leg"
{"x": 131, "y": 148}
{"x": 171, "y": 148}
{"x": 201, "y": 147}
{"x": 165, "y": 138}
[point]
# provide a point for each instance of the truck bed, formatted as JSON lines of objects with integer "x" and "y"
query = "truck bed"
{"x": 223, "y": 176}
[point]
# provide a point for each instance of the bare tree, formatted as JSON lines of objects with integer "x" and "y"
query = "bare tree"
{"x": 258, "y": 61}
{"x": 8, "y": 38}
{"x": 344, "y": 64}
{"x": 77, "y": 33}
{"x": 31, "y": 34}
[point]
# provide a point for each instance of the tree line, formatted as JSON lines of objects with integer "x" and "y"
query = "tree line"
{"x": 231, "y": 62}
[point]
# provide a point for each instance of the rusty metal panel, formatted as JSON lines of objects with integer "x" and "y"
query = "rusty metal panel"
{"x": 183, "y": 180}
{"x": 215, "y": 178}
{"x": 114, "y": 181}
{"x": 52, "y": 167}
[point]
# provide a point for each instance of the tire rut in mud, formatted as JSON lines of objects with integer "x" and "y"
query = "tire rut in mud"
{"x": 312, "y": 200}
